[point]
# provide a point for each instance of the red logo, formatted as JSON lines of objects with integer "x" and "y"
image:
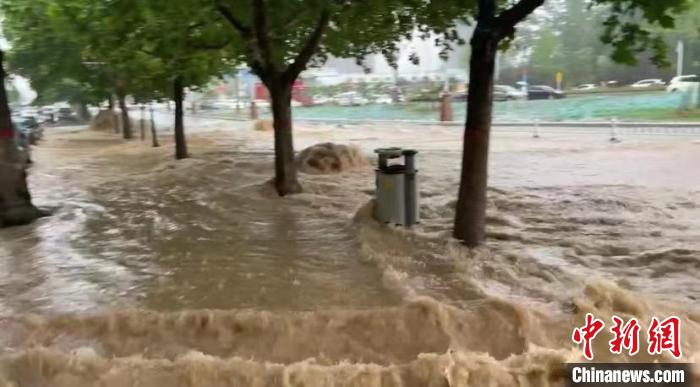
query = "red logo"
{"x": 587, "y": 333}
{"x": 665, "y": 336}
{"x": 626, "y": 336}
{"x": 662, "y": 336}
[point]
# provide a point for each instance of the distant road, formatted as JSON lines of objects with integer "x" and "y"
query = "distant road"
{"x": 621, "y": 127}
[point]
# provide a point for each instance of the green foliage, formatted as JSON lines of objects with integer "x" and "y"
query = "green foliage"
{"x": 629, "y": 27}
{"x": 566, "y": 36}
{"x": 80, "y": 50}
{"x": 280, "y": 36}
{"x": 46, "y": 50}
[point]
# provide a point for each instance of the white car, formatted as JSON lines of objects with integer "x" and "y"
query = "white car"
{"x": 508, "y": 93}
{"x": 351, "y": 98}
{"x": 586, "y": 86}
{"x": 382, "y": 99}
{"x": 684, "y": 83}
{"x": 648, "y": 83}
{"x": 320, "y": 99}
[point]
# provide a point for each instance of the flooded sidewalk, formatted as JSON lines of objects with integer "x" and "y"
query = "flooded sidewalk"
{"x": 195, "y": 273}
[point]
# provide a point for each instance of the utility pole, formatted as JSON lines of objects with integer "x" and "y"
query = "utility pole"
{"x": 680, "y": 50}
{"x": 497, "y": 71}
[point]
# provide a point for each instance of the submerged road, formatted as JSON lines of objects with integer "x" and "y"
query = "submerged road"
{"x": 204, "y": 121}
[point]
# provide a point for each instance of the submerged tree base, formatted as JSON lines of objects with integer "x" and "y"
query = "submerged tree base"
{"x": 15, "y": 201}
{"x": 20, "y": 215}
{"x": 287, "y": 188}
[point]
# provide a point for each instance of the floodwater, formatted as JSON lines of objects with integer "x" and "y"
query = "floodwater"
{"x": 193, "y": 273}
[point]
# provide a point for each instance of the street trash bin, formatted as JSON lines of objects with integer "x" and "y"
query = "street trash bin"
{"x": 397, "y": 187}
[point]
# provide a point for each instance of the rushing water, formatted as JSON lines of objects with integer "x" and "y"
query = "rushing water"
{"x": 193, "y": 273}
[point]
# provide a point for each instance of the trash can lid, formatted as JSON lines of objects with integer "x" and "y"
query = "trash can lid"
{"x": 391, "y": 152}
{"x": 409, "y": 152}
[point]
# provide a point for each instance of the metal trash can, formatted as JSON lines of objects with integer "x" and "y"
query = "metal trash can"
{"x": 396, "y": 187}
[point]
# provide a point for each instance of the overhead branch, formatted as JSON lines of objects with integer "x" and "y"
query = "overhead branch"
{"x": 207, "y": 46}
{"x": 309, "y": 48}
{"x": 228, "y": 15}
{"x": 508, "y": 19}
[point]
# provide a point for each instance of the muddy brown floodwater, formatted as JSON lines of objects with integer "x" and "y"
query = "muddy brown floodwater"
{"x": 153, "y": 272}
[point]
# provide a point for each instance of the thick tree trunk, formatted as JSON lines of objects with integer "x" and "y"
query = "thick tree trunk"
{"x": 470, "y": 219}
{"x": 286, "y": 181}
{"x": 15, "y": 201}
{"x": 126, "y": 122}
{"x": 180, "y": 141}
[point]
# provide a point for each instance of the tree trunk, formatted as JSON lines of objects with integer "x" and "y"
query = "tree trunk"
{"x": 126, "y": 122}
{"x": 285, "y": 169}
{"x": 84, "y": 112}
{"x": 253, "y": 110}
{"x": 470, "y": 217}
{"x": 180, "y": 141}
{"x": 113, "y": 115}
{"x": 154, "y": 133}
{"x": 446, "y": 107}
{"x": 15, "y": 201}
{"x": 142, "y": 123}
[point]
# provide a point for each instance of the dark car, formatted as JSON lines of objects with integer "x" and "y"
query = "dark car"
{"x": 24, "y": 137}
{"x": 29, "y": 128}
{"x": 544, "y": 92}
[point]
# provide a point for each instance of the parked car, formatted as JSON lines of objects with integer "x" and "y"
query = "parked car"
{"x": 27, "y": 133}
{"x": 460, "y": 96}
{"x": 31, "y": 126}
{"x": 350, "y": 98}
{"x": 683, "y": 83}
{"x": 507, "y": 93}
{"x": 382, "y": 99}
{"x": 320, "y": 99}
{"x": 544, "y": 92}
{"x": 648, "y": 83}
{"x": 586, "y": 86}
{"x": 47, "y": 114}
{"x": 66, "y": 114}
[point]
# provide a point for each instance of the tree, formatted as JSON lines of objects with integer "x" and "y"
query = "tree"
{"x": 16, "y": 206}
{"x": 47, "y": 50}
{"x": 193, "y": 52}
{"x": 280, "y": 38}
{"x": 624, "y": 29}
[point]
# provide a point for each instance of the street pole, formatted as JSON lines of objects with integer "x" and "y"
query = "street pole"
{"x": 236, "y": 88}
{"x": 680, "y": 50}
{"x": 497, "y": 71}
